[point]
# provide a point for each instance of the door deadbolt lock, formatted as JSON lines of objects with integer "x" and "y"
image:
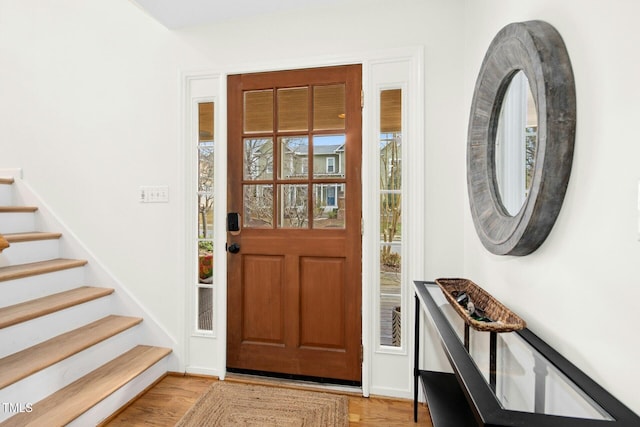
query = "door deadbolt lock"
{"x": 233, "y": 222}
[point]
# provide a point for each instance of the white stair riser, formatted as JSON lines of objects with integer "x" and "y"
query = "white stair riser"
{"x": 25, "y": 252}
{"x": 17, "y": 222}
{"x": 28, "y": 288}
{"x": 26, "y": 334}
{"x": 122, "y": 396}
{"x": 43, "y": 383}
{"x": 6, "y": 195}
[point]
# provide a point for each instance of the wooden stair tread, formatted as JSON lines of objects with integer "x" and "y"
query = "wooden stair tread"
{"x": 73, "y": 400}
{"x": 12, "y": 209}
{"x": 31, "y": 236}
{"x": 32, "y": 309}
{"x": 20, "y": 365}
{"x": 41, "y": 267}
{"x": 7, "y": 181}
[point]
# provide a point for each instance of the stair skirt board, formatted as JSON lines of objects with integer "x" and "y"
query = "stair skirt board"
{"x": 46, "y": 382}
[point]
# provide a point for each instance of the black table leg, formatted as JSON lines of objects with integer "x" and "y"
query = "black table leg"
{"x": 416, "y": 356}
{"x": 493, "y": 348}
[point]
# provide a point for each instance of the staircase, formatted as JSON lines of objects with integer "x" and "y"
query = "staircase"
{"x": 71, "y": 352}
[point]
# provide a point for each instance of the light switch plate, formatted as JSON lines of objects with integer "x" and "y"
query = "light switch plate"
{"x": 153, "y": 194}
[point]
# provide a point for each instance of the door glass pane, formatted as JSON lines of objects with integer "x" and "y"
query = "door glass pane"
{"x": 205, "y": 166}
{"x": 205, "y": 309}
{"x": 205, "y": 191}
{"x": 205, "y": 121}
{"x": 390, "y": 311}
{"x": 293, "y": 109}
{"x": 391, "y": 216}
{"x": 329, "y": 150}
{"x": 258, "y": 159}
{"x": 390, "y": 146}
{"x": 391, "y": 110}
{"x": 205, "y": 216}
{"x": 205, "y": 261}
{"x": 258, "y": 206}
{"x": 294, "y": 211}
{"x": 294, "y": 157}
{"x": 258, "y": 111}
{"x": 329, "y": 205}
{"x": 329, "y": 107}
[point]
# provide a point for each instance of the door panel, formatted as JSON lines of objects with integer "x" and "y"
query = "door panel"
{"x": 262, "y": 295}
{"x": 294, "y": 288}
{"x": 322, "y": 296}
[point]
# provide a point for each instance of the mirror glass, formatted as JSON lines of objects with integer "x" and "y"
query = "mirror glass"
{"x": 515, "y": 144}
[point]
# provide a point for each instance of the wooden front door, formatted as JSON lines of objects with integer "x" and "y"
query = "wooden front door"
{"x": 294, "y": 265}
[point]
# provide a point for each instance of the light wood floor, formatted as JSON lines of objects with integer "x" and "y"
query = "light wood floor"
{"x": 167, "y": 401}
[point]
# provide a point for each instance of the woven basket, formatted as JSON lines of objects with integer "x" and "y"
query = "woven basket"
{"x": 504, "y": 320}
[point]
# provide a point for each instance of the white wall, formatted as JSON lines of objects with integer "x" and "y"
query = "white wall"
{"x": 580, "y": 290}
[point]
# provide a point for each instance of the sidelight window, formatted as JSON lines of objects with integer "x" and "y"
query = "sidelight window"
{"x": 390, "y": 199}
{"x": 205, "y": 146}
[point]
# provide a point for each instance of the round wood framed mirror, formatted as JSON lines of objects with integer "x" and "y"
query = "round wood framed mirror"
{"x": 535, "y": 49}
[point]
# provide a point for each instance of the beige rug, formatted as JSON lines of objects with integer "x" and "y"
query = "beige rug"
{"x": 233, "y": 404}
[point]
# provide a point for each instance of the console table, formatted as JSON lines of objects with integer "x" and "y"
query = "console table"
{"x": 522, "y": 381}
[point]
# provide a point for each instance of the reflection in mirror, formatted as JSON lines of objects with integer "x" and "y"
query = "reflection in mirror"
{"x": 515, "y": 145}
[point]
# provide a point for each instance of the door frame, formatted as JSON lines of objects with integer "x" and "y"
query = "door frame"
{"x": 373, "y": 356}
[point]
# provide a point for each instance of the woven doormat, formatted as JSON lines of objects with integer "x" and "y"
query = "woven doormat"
{"x": 233, "y": 404}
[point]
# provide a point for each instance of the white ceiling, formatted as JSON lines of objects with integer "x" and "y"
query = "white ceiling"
{"x": 177, "y": 14}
